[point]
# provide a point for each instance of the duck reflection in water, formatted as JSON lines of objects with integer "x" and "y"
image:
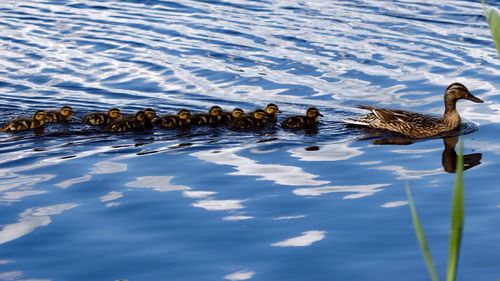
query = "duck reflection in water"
{"x": 449, "y": 156}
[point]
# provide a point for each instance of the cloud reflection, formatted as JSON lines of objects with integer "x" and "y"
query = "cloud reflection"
{"x": 14, "y": 186}
{"x": 306, "y": 239}
{"x": 110, "y": 197}
{"x": 329, "y": 152}
{"x": 279, "y": 174}
{"x": 157, "y": 183}
{"x": 394, "y": 204}
{"x": 358, "y": 190}
{"x": 240, "y": 275}
{"x": 31, "y": 219}
{"x": 219, "y": 205}
{"x": 108, "y": 167}
{"x": 237, "y": 218}
{"x": 67, "y": 183}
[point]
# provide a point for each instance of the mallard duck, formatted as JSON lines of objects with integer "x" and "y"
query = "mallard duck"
{"x": 127, "y": 125}
{"x": 257, "y": 120}
{"x": 23, "y": 124}
{"x": 101, "y": 118}
{"x": 416, "y": 125}
{"x": 308, "y": 121}
{"x": 181, "y": 120}
{"x": 213, "y": 118}
{"x": 63, "y": 115}
{"x": 237, "y": 113}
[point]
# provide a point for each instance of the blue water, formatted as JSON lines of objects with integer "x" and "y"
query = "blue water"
{"x": 209, "y": 204}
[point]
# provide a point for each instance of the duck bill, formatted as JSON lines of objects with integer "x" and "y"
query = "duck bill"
{"x": 474, "y": 98}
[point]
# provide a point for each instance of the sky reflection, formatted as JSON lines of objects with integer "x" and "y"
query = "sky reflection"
{"x": 240, "y": 275}
{"x": 358, "y": 190}
{"x": 279, "y": 174}
{"x": 31, "y": 219}
{"x": 306, "y": 239}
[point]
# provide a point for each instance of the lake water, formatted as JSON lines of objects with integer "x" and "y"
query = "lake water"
{"x": 209, "y": 204}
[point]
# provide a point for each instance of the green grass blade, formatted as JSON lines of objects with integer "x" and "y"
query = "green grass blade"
{"x": 420, "y": 237}
{"x": 493, "y": 19}
{"x": 457, "y": 216}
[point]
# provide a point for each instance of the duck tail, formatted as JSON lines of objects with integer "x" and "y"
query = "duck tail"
{"x": 357, "y": 122}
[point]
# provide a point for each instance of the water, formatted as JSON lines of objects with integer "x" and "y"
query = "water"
{"x": 80, "y": 204}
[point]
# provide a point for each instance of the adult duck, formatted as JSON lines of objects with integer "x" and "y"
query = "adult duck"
{"x": 417, "y": 125}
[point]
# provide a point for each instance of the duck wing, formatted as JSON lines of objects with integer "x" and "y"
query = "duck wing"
{"x": 397, "y": 116}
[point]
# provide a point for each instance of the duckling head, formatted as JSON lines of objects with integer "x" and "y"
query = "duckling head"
{"x": 215, "y": 111}
{"x": 140, "y": 116}
{"x": 40, "y": 115}
{"x": 272, "y": 109}
{"x": 259, "y": 114}
{"x": 313, "y": 112}
{"x": 66, "y": 111}
{"x": 456, "y": 91}
{"x": 150, "y": 113}
{"x": 237, "y": 113}
{"x": 115, "y": 113}
{"x": 184, "y": 114}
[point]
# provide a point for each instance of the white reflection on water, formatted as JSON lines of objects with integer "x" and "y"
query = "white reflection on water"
{"x": 67, "y": 183}
{"x": 31, "y": 219}
{"x": 197, "y": 194}
{"x": 306, "y": 239}
{"x": 403, "y": 173}
{"x": 394, "y": 204}
{"x": 110, "y": 197}
{"x": 240, "y": 275}
{"x": 358, "y": 190}
{"x": 16, "y": 276}
{"x": 279, "y": 174}
{"x": 107, "y": 167}
{"x": 289, "y": 217}
{"x": 237, "y": 218}
{"x": 14, "y": 186}
{"x": 329, "y": 152}
{"x": 219, "y": 205}
{"x": 157, "y": 183}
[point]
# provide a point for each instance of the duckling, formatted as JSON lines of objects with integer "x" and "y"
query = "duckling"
{"x": 257, "y": 120}
{"x": 416, "y": 125}
{"x": 127, "y": 125}
{"x": 101, "y": 118}
{"x": 272, "y": 111}
{"x": 182, "y": 120}
{"x": 63, "y": 115}
{"x": 308, "y": 121}
{"x": 23, "y": 124}
{"x": 237, "y": 113}
{"x": 213, "y": 118}
{"x": 150, "y": 116}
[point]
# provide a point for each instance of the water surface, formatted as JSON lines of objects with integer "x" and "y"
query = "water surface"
{"x": 210, "y": 204}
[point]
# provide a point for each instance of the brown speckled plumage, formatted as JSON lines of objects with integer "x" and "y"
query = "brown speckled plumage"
{"x": 416, "y": 125}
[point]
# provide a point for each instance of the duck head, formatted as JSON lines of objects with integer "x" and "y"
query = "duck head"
{"x": 184, "y": 114}
{"x": 237, "y": 113}
{"x": 272, "y": 109}
{"x": 313, "y": 112}
{"x": 40, "y": 115}
{"x": 150, "y": 113}
{"x": 456, "y": 91}
{"x": 114, "y": 113}
{"x": 66, "y": 111}
{"x": 215, "y": 111}
{"x": 259, "y": 114}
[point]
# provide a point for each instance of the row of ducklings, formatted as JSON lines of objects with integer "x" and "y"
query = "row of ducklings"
{"x": 147, "y": 119}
